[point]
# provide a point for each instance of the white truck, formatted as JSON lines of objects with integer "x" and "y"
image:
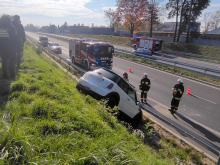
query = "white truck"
{"x": 147, "y": 46}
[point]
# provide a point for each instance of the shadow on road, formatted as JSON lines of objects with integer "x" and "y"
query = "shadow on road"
{"x": 204, "y": 131}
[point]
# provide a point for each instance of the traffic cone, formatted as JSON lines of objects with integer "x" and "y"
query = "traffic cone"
{"x": 130, "y": 70}
{"x": 188, "y": 92}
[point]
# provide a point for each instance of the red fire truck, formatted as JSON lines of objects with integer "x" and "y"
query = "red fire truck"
{"x": 91, "y": 54}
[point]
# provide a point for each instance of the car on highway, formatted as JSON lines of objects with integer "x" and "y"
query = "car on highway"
{"x": 55, "y": 48}
{"x": 103, "y": 83}
{"x": 43, "y": 40}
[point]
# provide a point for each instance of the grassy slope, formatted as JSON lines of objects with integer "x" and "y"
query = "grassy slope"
{"x": 201, "y": 52}
{"x": 47, "y": 121}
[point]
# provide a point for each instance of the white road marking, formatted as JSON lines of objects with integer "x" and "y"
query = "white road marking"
{"x": 201, "y": 98}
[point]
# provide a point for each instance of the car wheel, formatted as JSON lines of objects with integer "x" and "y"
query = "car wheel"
{"x": 86, "y": 65}
{"x": 112, "y": 101}
{"x": 73, "y": 60}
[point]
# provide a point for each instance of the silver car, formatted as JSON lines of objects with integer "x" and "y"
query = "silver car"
{"x": 103, "y": 83}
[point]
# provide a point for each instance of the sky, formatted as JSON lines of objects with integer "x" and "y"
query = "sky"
{"x": 45, "y": 12}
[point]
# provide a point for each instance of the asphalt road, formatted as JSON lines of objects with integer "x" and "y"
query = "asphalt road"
{"x": 204, "y": 110}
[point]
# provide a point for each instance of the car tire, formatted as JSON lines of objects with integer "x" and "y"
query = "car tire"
{"x": 73, "y": 60}
{"x": 86, "y": 65}
{"x": 112, "y": 100}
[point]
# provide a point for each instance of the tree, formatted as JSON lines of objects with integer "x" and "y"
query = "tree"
{"x": 216, "y": 19}
{"x": 131, "y": 13}
{"x": 211, "y": 21}
{"x": 186, "y": 12}
{"x": 193, "y": 10}
{"x": 152, "y": 15}
{"x": 182, "y": 20}
{"x": 206, "y": 21}
{"x": 174, "y": 6}
{"x": 111, "y": 15}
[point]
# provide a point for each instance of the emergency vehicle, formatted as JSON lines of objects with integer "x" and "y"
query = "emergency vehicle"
{"x": 91, "y": 54}
{"x": 147, "y": 46}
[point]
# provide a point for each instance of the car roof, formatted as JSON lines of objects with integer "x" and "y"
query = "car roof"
{"x": 118, "y": 77}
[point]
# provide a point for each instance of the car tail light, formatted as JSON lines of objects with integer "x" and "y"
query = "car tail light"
{"x": 110, "y": 86}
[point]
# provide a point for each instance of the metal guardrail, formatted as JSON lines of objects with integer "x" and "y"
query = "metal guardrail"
{"x": 195, "y": 137}
{"x": 194, "y": 68}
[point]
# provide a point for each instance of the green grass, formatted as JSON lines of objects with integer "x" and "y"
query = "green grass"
{"x": 47, "y": 121}
{"x": 199, "y": 52}
{"x": 171, "y": 69}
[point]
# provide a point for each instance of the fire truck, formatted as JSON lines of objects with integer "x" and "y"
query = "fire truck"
{"x": 91, "y": 54}
{"x": 147, "y": 46}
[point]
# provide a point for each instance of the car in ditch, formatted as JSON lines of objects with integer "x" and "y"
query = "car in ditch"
{"x": 55, "y": 48}
{"x": 103, "y": 83}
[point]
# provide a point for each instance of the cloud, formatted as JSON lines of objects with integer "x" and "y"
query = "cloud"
{"x": 50, "y": 8}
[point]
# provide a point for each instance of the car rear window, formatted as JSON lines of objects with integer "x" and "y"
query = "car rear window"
{"x": 108, "y": 75}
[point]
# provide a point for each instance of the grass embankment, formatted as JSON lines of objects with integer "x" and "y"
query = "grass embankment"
{"x": 199, "y": 52}
{"x": 171, "y": 69}
{"x": 47, "y": 121}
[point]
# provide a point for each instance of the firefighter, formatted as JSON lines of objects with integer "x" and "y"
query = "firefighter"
{"x": 178, "y": 91}
{"x": 144, "y": 87}
{"x": 125, "y": 76}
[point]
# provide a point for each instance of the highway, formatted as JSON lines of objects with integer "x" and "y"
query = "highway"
{"x": 205, "y": 110}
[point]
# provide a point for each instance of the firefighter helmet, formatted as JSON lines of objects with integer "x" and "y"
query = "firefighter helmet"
{"x": 180, "y": 81}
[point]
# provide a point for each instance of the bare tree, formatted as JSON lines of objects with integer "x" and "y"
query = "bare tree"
{"x": 153, "y": 12}
{"x": 175, "y": 10}
{"x": 110, "y": 14}
{"x": 216, "y": 19}
{"x": 206, "y": 22}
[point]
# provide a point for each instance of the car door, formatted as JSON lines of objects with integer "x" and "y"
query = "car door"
{"x": 127, "y": 102}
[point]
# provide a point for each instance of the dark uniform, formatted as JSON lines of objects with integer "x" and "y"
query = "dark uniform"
{"x": 178, "y": 91}
{"x": 144, "y": 87}
{"x": 125, "y": 76}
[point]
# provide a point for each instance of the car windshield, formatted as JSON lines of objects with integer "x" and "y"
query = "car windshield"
{"x": 103, "y": 51}
{"x": 110, "y": 75}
